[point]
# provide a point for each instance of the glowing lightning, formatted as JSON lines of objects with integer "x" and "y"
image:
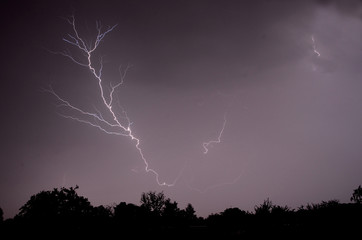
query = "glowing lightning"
{"x": 118, "y": 123}
{"x": 218, "y": 140}
{"x": 314, "y": 47}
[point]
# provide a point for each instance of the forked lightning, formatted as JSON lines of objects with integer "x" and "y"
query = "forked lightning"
{"x": 117, "y": 123}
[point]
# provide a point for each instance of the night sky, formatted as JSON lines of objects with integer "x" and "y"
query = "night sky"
{"x": 285, "y": 75}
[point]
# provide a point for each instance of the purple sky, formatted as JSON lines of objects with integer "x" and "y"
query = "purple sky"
{"x": 293, "y": 129}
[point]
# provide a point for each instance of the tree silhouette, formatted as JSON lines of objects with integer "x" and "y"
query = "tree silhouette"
{"x": 64, "y": 213}
{"x": 233, "y": 218}
{"x": 154, "y": 202}
{"x": 1, "y": 215}
{"x": 265, "y": 208}
{"x": 357, "y": 195}
{"x": 171, "y": 214}
{"x": 59, "y": 211}
{"x": 102, "y": 212}
{"x": 190, "y": 213}
{"x": 170, "y": 209}
{"x": 128, "y": 215}
{"x": 63, "y": 203}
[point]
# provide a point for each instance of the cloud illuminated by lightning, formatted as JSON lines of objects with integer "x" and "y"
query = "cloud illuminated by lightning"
{"x": 118, "y": 123}
{"x": 218, "y": 140}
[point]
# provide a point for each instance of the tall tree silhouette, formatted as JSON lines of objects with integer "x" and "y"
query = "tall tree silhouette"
{"x": 190, "y": 213}
{"x": 357, "y": 195}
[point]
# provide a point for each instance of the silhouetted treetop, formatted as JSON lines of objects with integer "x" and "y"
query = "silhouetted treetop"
{"x": 170, "y": 209}
{"x": 264, "y": 208}
{"x": 55, "y": 203}
{"x": 357, "y": 195}
{"x": 190, "y": 212}
{"x": 154, "y": 202}
{"x": 128, "y": 213}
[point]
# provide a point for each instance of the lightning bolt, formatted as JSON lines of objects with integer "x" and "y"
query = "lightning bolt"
{"x": 206, "y": 150}
{"x": 314, "y": 47}
{"x": 117, "y": 123}
{"x": 218, "y": 140}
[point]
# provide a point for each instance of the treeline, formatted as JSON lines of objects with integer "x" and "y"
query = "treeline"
{"x": 62, "y": 213}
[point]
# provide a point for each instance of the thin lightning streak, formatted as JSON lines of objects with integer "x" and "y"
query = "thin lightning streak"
{"x": 67, "y": 104}
{"x": 113, "y": 126}
{"x": 93, "y": 125}
{"x": 218, "y": 140}
{"x": 206, "y": 150}
{"x": 314, "y": 47}
{"x": 216, "y": 185}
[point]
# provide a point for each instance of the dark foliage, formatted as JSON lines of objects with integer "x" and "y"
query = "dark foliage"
{"x": 154, "y": 203}
{"x": 62, "y": 213}
{"x": 56, "y": 204}
{"x": 1, "y": 216}
{"x": 357, "y": 195}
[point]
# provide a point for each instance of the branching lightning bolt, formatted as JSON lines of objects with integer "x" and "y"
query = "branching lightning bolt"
{"x": 118, "y": 123}
{"x": 218, "y": 140}
{"x": 314, "y": 47}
